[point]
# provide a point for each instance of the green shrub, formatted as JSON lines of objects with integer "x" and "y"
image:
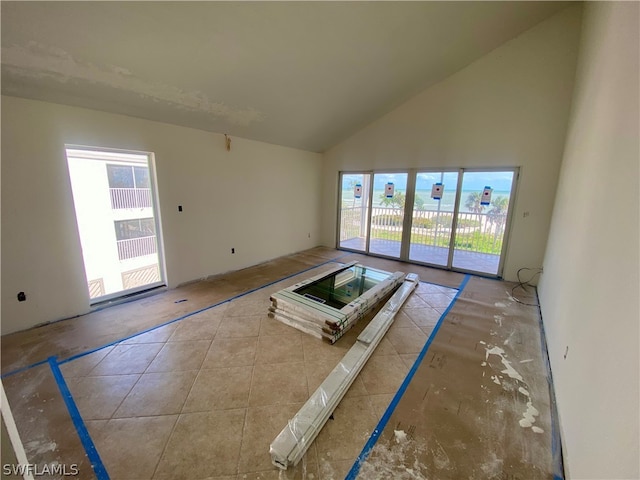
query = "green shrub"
{"x": 387, "y": 219}
{"x": 423, "y": 223}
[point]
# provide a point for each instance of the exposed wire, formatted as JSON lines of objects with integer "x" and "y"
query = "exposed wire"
{"x": 524, "y": 284}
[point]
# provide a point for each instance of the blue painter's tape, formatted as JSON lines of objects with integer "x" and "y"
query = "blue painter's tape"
{"x": 89, "y": 447}
{"x": 79, "y": 355}
{"x": 23, "y": 369}
{"x": 364, "y": 454}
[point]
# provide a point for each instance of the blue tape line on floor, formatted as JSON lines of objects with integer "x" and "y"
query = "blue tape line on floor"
{"x": 23, "y": 369}
{"x": 89, "y": 447}
{"x": 79, "y": 355}
{"x": 355, "y": 469}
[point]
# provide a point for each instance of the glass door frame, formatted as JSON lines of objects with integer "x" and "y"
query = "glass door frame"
{"x": 414, "y": 174}
{"x": 508, "y": 221}
{"x": 339, "y": 205}
{"x": 92, "y": 153}
{"x": 410, "y": 193}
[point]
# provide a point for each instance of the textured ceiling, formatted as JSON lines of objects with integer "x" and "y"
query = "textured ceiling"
{"x": 300, "y": 74}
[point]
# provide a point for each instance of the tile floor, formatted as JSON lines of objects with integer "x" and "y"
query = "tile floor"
{"x": 214, "y": 390}
{"x": 203, "y": 397}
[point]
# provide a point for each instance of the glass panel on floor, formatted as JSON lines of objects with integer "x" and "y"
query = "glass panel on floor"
{"x": 433, "y": 207}
{"x": 481, "y": 221}
{"x": 354, "y": 210}
{"x": 387, "y": 215}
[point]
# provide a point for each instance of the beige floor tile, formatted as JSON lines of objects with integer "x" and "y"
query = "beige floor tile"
{"x": 424, "y": 317}
{"x": 409, "y": 359}
{"x": 94, "y": 427}
{"x": 249, "y": 305}
{"x": 157, "y": 394}
{"x": 437, "y": 300}
{"x": 203, "y": 445}
{"x": 270, "y": 326}
{"x": 231, "y": 352}
{"x": 385, "y": 347}
{"x": 127, "y": 359}
{"x": 220, "y": 388}
{"x": 343, "y": 437}
{"x": 180, "y": 356}
{"x": 279, "y": 349}
{"x": 130, "y": 448}
{"x": 380, "y": 403}
{"x": 157, "y": 335}
{"x": 317, "y": 351}
{"x": 202, "y": 326}
{"x": 99, "y": 397}
{"x": 280, "y": 383}
{"x": 240, "y": 326}
{"x": 383, "y": 374}
{"x": 81, "y": 367}
{"x": 407, "y": 340}
{"x": 262, "y": 426}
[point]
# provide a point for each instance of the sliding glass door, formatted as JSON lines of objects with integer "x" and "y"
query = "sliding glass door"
{"x": 433, "y": 212}
{"x": 455, "y": 219}
{"x": 388, "y": 213}
{"x": 355, "y": 189}
{"x": 482, "y": 219}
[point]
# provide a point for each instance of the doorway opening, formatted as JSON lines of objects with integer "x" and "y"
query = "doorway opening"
{"x": 114, "y": 194}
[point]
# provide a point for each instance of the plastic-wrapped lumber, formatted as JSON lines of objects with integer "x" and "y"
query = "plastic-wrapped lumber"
{"x": 294, "y": 440}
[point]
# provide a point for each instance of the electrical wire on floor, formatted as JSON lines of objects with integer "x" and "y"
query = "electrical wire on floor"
{"x": 524, "y": 284}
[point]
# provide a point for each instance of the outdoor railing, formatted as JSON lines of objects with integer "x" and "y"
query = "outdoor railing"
{"x": 476, "y": 232}
{"x": 130, "y": 198}
{"x": 137, "y": 247}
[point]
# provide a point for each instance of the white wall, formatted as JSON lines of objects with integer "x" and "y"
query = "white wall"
{"x": 590, "y": 286}
{"x": 509, "y": 108}
{"x": 261, "y": 199}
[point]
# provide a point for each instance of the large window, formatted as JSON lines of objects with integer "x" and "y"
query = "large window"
{"x": 456, "y": 219}
{"x": 113, "y": 193}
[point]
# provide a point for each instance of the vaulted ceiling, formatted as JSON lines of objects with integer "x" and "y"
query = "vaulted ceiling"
{"x": 300, "y": 74}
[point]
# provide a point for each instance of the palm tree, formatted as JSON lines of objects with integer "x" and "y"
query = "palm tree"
{"x": 498, "y": 212}
{"x": 397, "y": 201}
{"x": 473, "y": 202}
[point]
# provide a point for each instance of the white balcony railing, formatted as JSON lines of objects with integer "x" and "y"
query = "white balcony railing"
{"x": 476, "y": 232}
{"x": 137, "y": 247}
{"x": 130, "y": 198}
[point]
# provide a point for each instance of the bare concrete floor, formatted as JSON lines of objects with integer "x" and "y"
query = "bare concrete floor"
{"x": 212, "y": 380}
